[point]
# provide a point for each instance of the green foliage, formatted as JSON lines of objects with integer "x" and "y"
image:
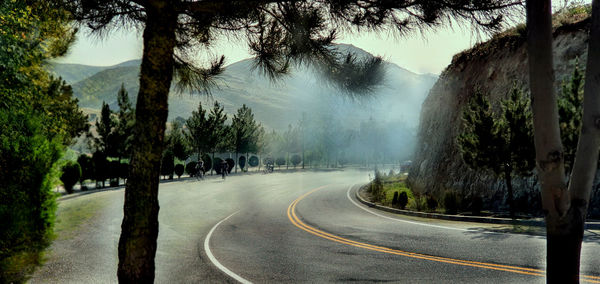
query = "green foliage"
{"x": 402, "y": 200}
{"x": 502, "y": 145}
{"x": 296, "y": 159}
{"x": 168, "y": 164}
{"x": 123, "y": 130}
{"x": 100, "y": 166}
{"x": 27, "y": 204}
{"x": 217, "y": 165}
{"x": 179, "y": 170}
{"x": 176, "y": 142}
{"x": 253, "y": 162}
{"x": 105, "y": 127}
{"x": 87, "y": 168}
{"x": 71, "y": 173}
{"x": 376, "y": 187}
{"x": 395, "y": 199}
{"x": 242, "y": 162}
{"x": 244, "y": 131}
{"x": 190, "y": 168}
{"x": 230, "y": 164}
{"x": 207, "y": 162}
{"x": 38, "y": 118}
{"x": 570, "y": 111}
{"x": 280, "y": 161}
{"x": 451, "y": 202}
{"x": 432, "y": 202}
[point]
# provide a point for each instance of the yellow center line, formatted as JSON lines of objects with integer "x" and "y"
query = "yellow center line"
{"x": 291, "y": 213}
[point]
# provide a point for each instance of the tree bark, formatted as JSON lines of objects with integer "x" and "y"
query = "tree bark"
{"x": 139, "y": 230}
{"x": 565, "y": 209}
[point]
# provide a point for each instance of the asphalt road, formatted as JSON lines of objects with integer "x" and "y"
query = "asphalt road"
{"x": 292, "y": 227}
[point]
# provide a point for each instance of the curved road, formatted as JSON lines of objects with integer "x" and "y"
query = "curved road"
{"x": 293, "y": 227}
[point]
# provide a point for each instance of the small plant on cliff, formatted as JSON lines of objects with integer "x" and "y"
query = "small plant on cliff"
{"x": 503, "y": 144}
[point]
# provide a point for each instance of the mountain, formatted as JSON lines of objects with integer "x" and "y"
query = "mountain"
{"x": 275, "y": 104}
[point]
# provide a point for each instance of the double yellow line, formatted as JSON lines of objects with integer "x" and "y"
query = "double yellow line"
{"x": 291, "y": 213}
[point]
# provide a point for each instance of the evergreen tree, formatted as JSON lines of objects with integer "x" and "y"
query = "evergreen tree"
{"x": 197, "y": 131}
{"x": 570, "y": 109}
{"x": 502, "y": 145}
{"x": 176, "y": 141}
{"x": 123, "y": 132}
{"x": 106, "y": 135}
{"x": 217, "y": 131}
{"x": 243, "y": 131}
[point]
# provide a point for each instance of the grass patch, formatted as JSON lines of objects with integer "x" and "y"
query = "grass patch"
{"x": 73, "y": 213}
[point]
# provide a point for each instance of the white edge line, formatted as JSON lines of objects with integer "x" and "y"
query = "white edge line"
{"x": 214, "y": 260}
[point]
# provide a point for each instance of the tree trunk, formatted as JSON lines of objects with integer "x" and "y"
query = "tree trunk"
{"x": 213, "y": 164}
{"x": 565, "y": 209}
{"x": 139, "y": 230}
{"x": 509, "y": 190}
{"x": 237, "y": 162}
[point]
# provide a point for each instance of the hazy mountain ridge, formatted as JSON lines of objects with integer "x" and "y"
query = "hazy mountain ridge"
{"x": 276, "y": 104}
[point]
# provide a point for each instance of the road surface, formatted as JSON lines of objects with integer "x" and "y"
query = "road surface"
{"x": 292, "y": 227}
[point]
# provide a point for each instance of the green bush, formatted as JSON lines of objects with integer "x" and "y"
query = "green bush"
{"x": 253, "y": 162}
{"x": 395, "y": 199}
{"x": 179, "y": 170}
{"x": 28, "y": 161}
{"x": 100, "y": 166}
{"x": 419, "y": 203}
{"x": 450, "y": 202}
{"x": 168, "y": 164}
{"x": 295, "y": 159}
{"x": 432, "y": 202}
{"x": 402, "y": 200}
{"x": 207, "y": 162}
{"x": 114, "y": 172}
{"x": 71, "y": 172}
{"x": 242, "y": 162}
{"x": 280, "y": 161}
{"x": 376, "y": 188}
{"x": 190, "y": 168}
{"x": 230, "y": 164}
{"x": 217, "y": 165}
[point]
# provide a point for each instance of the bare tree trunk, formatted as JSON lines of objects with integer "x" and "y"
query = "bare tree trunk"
{"x": 139, "y": 230}
{"x": 565, "y": 209}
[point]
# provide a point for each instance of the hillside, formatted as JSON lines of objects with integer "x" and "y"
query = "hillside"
{"x": 276, "y": 104}
{"x": 493, "y": 67}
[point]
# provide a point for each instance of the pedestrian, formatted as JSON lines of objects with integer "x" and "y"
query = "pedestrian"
{"x": 224, "y": 167}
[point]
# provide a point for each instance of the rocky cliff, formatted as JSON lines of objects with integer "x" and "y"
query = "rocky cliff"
{"x": 493, "y": 67}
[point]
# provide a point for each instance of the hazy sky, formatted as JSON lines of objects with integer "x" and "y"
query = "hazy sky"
{"x": 430, "y": 52}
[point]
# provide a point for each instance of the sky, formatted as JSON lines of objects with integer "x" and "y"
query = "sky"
{"x": 421, "y": 53}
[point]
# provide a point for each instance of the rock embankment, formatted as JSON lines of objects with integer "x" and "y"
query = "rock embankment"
{"x": 492, "y": 67}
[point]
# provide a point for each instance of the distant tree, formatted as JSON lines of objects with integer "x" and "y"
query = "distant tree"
{"x": 179, "y": 168}
{"x": 570, "y": 108}
{"x": 280, "y": 161}
{"x": 190, "y": 168}
{"x": 168, "y": 164}
{"x": 290, "y": 143}
{"x": 123, "y": 127}
{"x": 242, "y": 163}
{"x": 243, "y": 131}
{"x": 176, "y": 142}
{"x": 296, "y": 159}
{"x": 105, "y": 142}
{"x": 217, "y": 132}
{"x": 100, "y": 168}
{"x": 87, "y": 169}
{"x": 71, "y": 172}
{"x": 503, "y": 145}
{"x": 197, "y": 133}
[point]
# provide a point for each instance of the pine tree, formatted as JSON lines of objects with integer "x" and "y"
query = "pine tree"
{"x": 217, "y": 131}
{"x": 123, "y": 132}
{"x": 106, "y": 132}
{"x": 197, "y": 131}
{"x": 243, "y": 131}
{"x": 502, "y": 145}
{"x": 570, "y": 109}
